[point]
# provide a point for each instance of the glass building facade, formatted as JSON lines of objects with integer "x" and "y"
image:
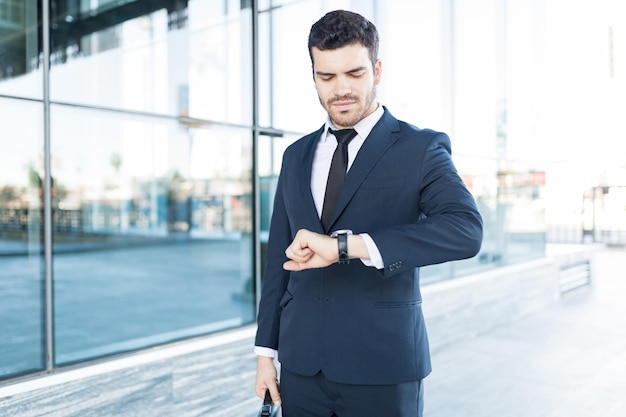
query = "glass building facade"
{"x": 140, "y": 144}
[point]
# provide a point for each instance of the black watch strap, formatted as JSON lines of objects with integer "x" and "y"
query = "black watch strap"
{"x": 342, "y": 244}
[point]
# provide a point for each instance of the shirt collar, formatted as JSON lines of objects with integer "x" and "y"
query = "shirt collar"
{"x": 363, "y": 127}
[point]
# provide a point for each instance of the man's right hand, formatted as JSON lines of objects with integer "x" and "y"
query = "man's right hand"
{"x": 267, "y": 378}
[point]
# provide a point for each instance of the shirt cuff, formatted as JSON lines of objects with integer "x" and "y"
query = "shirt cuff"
{"x": 376, "y": 259}
{"x": 265, "y": 351}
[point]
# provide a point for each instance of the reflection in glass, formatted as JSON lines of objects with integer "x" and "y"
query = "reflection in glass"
{"x": 141, "y": 56}
{"x": 152, "y": 231}
{"x": 21, "y": 281}
{"x": 271, "y": 149}
{"x": 286, "y": 89}
{"x": 220, "y": 71}
{"x": 19, "y": 49}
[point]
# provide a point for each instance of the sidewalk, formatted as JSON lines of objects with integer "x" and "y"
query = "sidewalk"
{"x": 567, "y": 361}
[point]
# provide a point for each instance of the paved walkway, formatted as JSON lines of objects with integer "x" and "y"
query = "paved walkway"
{"x": 567, "y": 361}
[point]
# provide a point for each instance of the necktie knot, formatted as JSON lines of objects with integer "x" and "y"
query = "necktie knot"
{"x": 344, "y": 136}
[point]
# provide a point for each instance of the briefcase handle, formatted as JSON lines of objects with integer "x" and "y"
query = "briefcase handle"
{"x": 267, "y": 409}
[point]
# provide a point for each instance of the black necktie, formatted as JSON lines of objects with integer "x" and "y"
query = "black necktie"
{"x": 337, "y": 173}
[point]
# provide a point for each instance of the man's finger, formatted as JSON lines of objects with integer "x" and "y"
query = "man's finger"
{"x": 292, "y": 266}
{"x": 275, "y": 394}
{"x": 299, "y": 255}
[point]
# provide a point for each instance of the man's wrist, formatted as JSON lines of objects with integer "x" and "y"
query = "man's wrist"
{"x": 264, "y": 359}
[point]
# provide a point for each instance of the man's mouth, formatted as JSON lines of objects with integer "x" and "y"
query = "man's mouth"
{"x": 342, "y": 105}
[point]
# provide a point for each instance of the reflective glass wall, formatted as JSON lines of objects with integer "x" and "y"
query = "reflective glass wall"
{"x": 22, "y": 334}
{"x": 152, "y": 143}
{"x": 21, "y": 246}
{"x": 148, "y": 121}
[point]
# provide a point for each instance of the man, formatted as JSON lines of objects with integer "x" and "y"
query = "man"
{"x": 340, "y": 302}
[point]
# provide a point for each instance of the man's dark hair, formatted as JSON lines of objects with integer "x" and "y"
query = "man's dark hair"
{"x": 342, "y": 28}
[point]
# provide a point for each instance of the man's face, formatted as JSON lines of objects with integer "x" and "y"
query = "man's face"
{"x": 346, "y": 83}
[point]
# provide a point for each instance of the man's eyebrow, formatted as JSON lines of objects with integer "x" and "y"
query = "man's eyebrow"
{"x": 358, "y": 69}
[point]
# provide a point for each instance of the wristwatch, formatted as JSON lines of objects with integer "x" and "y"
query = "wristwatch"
{"x": 342, "y": 244}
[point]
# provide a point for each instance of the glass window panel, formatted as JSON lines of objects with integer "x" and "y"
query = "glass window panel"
{"x": 220, "y": 70}
{"x": 354, "y": 5}
{"x": 265, "y": 70}
{"x": 204, "y": 13}
{"x": 154, "y": 63}
{"x": 271, "y": 149}
{"x": 21, "y": 280}
{"x": 521, "y": 215}
{"x": 413, "y": 91}
{"x": 152, "y": 231}
{"x": 287, "y": 95}
{"x": 19, "y": 49}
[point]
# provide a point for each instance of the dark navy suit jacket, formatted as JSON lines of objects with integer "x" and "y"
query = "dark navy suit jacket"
{"x": 358, "y": 324}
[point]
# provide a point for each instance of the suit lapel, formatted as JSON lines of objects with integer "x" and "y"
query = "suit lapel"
{"x": 376, "y": 144}
{"x": 305, "y": 179}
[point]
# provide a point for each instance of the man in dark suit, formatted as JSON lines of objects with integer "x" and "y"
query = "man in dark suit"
{"x": 341, "y": 303}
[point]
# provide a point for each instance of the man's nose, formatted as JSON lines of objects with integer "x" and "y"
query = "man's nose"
{"x": 343, "y": 86}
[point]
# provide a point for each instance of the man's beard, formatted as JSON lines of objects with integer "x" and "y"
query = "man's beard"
{"x": 350, "y": 119}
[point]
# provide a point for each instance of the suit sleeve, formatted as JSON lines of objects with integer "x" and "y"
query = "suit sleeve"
{"x": 449, "y": 226}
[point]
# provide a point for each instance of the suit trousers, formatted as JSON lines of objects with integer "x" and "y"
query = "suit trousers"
{"x": 317, "y": 396}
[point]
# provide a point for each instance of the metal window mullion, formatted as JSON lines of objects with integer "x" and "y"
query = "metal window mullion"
{"x": 256, "y": 206}
{"x": 47, "y": 192}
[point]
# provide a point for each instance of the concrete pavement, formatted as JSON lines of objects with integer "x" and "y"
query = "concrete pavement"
{"x": 566, "y": 361}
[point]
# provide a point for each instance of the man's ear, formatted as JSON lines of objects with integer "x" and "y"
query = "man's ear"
{"x": 378, "y": 70}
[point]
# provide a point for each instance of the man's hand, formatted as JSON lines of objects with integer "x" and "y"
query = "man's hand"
{"x": 311, "y": 250}
{"x": 267, "y": 378}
